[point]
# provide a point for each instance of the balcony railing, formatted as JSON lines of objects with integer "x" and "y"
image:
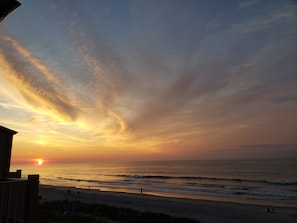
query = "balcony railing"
{"x": 19, "y": 200}
{"x": 12, "y": 200}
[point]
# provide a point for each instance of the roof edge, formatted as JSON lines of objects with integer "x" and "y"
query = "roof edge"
{"x": 2, "y": 128}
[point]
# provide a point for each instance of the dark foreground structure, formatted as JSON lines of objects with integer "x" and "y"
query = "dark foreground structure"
{"x": 7, "y": 6}
{"x": 18, "y": 198}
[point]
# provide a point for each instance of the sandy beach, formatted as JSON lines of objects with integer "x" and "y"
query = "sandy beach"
{"x": 205, "y": 211}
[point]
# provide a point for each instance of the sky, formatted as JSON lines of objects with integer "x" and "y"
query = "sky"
{"x": 139, "y": 80}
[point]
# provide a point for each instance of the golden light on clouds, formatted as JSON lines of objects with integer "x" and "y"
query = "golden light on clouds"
{"x": 147, "y": 85}
{"x": 40, "y": 142}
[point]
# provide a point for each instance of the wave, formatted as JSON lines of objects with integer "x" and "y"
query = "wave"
{"x": 281, "y": 182}
{"x": 97, "y": 181}
{"x": 209, "y": 189}
{"x": 131, "y": 178}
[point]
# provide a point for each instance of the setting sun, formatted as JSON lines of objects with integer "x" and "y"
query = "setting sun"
{"x": 39, "y": 162}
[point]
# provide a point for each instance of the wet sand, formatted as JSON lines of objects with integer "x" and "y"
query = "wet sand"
{"x": 203, "y": 210}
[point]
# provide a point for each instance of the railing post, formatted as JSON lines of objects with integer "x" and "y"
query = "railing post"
{"x": 18, "y": 174}
{"x": 32, "y": 199}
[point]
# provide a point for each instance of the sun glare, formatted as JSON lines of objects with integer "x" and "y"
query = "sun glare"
{"x": 40, "y": 142}
{"x": 39, "y": 162}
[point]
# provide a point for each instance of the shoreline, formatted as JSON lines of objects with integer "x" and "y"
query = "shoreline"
{"x": 203, "y": 210}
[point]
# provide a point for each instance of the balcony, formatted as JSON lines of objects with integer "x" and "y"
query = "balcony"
{"x": 13, "y": 199}
{"x": 19, "y": 200}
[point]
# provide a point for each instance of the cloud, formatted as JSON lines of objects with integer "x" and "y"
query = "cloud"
{"x": 266, "y": 73}
{"x": 101, "y": 79}
{"x": 57, "y": 95}
{"x": 247, "y": 3}
{"x": 268, "y": 147}
{"x": 259, "y": 151}
{"x": 271, "y": 150}
{"x": 39, "y": 86}
{"x": 268, "y": 20}
{"x": 215, "y": 89}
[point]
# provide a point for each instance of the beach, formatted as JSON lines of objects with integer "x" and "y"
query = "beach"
{"x": 202, "y": 210}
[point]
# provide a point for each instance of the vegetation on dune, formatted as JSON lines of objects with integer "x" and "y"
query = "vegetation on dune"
{"x": 77, "y": 212}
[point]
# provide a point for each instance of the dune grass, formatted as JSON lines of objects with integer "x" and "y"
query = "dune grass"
{"x": 77, "y": 212}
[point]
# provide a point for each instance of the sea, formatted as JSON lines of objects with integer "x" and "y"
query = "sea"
{"x": 265, "y": 182}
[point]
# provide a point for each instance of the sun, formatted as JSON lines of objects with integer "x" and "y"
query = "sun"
{"x": 39, "y": 162}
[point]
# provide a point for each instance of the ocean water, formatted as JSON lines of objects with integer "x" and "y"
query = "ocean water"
{"x": 269, "y": 182}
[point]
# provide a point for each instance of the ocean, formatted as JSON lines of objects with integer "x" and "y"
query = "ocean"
{"x": 269, "y": 182}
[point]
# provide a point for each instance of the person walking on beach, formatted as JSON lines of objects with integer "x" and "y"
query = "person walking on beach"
{"x": 141, "y": 191}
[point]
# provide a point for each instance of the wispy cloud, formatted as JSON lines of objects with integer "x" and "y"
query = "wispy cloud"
{"x": 248, "y": 3}
{"x": 101, "y": 78}
{"x": 38, "y": 85}
{"x": 269, "y": 147}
